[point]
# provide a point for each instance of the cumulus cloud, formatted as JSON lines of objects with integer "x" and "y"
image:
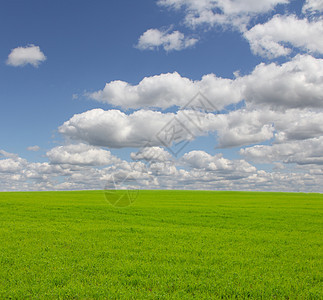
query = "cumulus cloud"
{"x": 295, "y": 84}
{"x": 196, "y": 170}
{"x": 167, "y": 90}
{"x": 297, "y": 139}
{"x": 279, "y": 120}
{"x": 10, "y": 165}
{"x": 18, "y": 174}
{"x": 80, "y": 154}
{"x": 22, "y": 56}
{"x": 205, "y": 161}
{"x": 299, "y": 152}
{"x": 33, "y": 148}
{"x": 295, "y": 125}
{"x": 154, "y": 38}
{"x": 312, "y": 6}
{"x": 151, "y": 154}
{"x": 272, "y": 39}
{"x": 116, "y": 129}
{"x": 271, "y": 89}
{"x": 222, "y": 12}
{"x": 244, "y": 127}
{"x": 277, "y": 37}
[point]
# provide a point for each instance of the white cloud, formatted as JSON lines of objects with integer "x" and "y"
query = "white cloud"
{"x": 205, "y": 161}
{"x": 273, "y": 38}
{"x": 154, "y": 38}
{"x": 18, "y": 174}
{"x": 33, "y": 148}
{"x": 248, "y": 6}
{"x": 297, "y": 83}
{"x": 10, "y": 165}
{"x": 301, "y": 152}
{"x": 294, "y": 84}
{"x": 277, "y": 37}
{"x": 196, "y": 170}
{"x": 244, "y": 127}
{"x": 115, "y": 129}
{"x": 298, "y": 125}
{"x": 221, "y": 12}
{"x": 22, "y": 56}
{"x": 167, "y": 90}
{"x": 151, "y": 154}
{"x": 313, "y": 6}
{"x": 80, "y": 154}
{"x": 7, "y": 154}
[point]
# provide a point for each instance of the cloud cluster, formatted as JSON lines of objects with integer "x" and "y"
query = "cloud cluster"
{"x": 221, "y": 12}
{"x": 245, "y": 127}
{"x": 233, "y": 129}
{"x": 151, "y": 154}
{"x": 312, "y": 6}
{"x": 22, "y": 56}
{"x": 195, "y": 170}
{"x": 283, "y": 102}
{"x": 304, "y": 152}
{"x": 17, "y": 173}
{"x": 80, "y": 154}
{"x": 296, "y": 83}
{"x": 277, "y": 37}
{"x": 275, "y": 113}
{"x": 204, "y": 161}
{"x": 115, "y": 129}
{"x": 225, "y": 13}
{"x": 154, "y": 38}
{"x": 167, "y": 90}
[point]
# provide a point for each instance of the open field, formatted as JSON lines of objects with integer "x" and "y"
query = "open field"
{"x": 167, "y": 245}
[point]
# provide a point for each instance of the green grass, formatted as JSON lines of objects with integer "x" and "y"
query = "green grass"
{"x": 167, "y": 245}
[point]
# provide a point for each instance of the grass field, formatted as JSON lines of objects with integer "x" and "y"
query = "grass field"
{"x": 167, "y": 245}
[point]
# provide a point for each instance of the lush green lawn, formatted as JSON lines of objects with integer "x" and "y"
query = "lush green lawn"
{"x": 168, "y": 244}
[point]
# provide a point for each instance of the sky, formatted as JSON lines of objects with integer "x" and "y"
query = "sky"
{"x": 161, "y": 94}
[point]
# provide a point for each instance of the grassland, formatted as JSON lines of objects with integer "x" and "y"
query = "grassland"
{"x": 167, "y": 245}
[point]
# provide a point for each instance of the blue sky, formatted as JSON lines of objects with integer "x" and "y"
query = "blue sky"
{"x": 89, "y": 83}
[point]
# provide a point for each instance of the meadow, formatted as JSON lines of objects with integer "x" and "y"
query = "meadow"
{"x": 166, "y": 245}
